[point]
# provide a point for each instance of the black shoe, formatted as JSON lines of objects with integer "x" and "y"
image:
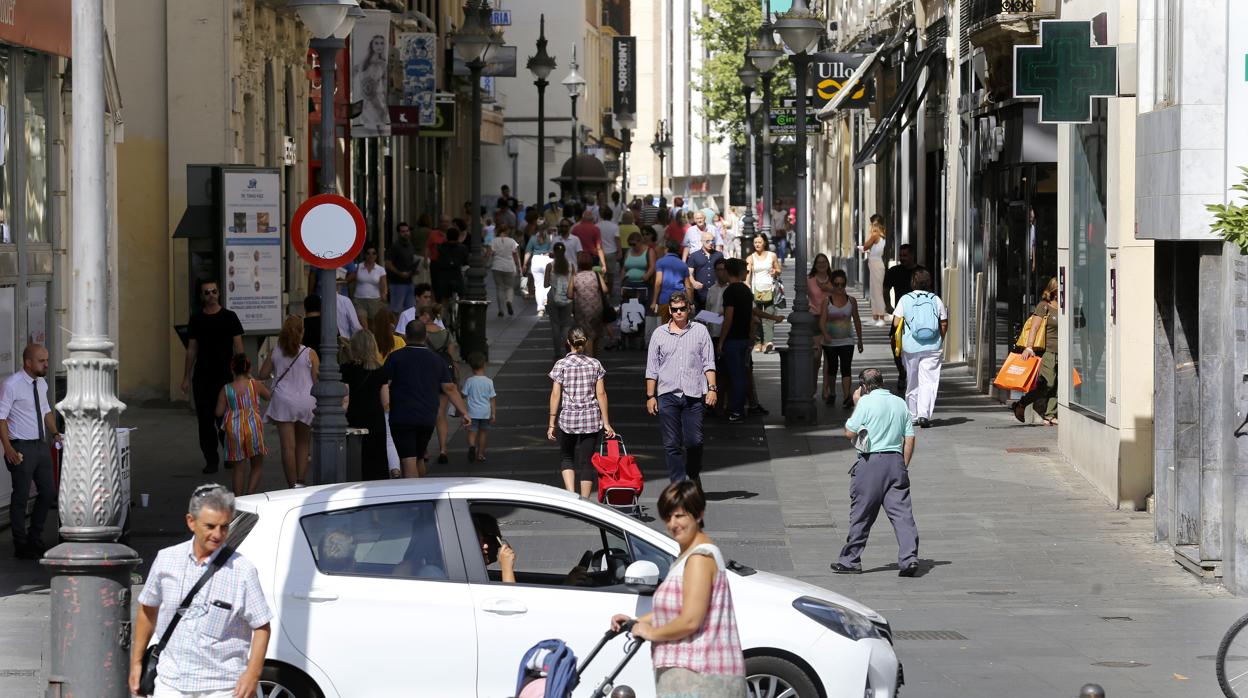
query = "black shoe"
{"x": 509, "y": 310}
{"x": 441, "y": 459}
{"x": 848, "y": 402}
{"x": 209, "y": 469}
{"x": 909, "y": 570}
{"x": 500, "y": 312}
{"x": 842, "y": 569}
{"x": 472, "y": 454}
{"x": 757, "y": 409}
{"x": 734, "y": 418}
{"x": 829, "y": 399}
{"x": 924, "y": 422}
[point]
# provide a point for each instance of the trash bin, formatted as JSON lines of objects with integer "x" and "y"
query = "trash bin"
{"x": 784, "y": 377}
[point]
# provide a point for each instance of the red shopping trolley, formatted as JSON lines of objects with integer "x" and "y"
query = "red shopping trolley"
{"x": 619, "y": 479}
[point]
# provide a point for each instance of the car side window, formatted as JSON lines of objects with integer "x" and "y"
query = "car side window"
{"x": 550, "y": 547}
{"x": 385, "y": 540}
{"x": 643, "y": 550}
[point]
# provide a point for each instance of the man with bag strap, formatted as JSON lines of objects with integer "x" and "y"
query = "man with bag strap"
{"x": 211, "y": 612}
{"x": 924, "y": 322}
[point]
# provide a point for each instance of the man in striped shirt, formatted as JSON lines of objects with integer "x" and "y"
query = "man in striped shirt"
{"x": 680, "y": 384}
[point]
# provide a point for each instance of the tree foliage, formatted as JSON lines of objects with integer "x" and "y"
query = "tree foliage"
{"x": 1231, "y": 220}
{"x": 726, "y": 31}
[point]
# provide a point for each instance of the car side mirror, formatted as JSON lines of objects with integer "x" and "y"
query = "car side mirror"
{"x": 642, "y": 577}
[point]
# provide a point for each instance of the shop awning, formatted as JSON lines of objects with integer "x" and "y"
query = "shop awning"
{"x": 892, "y": 118}
{"x": 829, "y": 110}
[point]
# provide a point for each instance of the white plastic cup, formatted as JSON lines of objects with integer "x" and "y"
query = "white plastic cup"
{"x": 143, "y": 500}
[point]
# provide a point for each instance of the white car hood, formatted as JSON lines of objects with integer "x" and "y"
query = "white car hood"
{"x": 795, "y": 588}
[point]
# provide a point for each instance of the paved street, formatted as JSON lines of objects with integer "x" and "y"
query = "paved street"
{"x": 1030, "y": 579}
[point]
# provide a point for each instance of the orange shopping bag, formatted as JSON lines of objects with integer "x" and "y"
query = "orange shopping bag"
{"x": 1018, "y": 373}
{"x": 1076, "y": 380}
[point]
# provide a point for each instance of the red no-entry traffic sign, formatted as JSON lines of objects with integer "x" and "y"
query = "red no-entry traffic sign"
{"x": 327, "y": 231}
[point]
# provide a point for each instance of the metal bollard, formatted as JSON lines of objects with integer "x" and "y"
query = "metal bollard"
{"x": 1091, "y": 690}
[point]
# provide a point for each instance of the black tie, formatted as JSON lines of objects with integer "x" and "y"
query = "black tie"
{"x": 34, "y": 386}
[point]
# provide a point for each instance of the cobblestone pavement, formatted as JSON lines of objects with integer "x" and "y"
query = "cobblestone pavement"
{"x": 1032, "y": 584}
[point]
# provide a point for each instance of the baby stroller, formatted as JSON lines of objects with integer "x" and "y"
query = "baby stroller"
{"x": 619, "y": 478}
{"x": 550, "y": 670}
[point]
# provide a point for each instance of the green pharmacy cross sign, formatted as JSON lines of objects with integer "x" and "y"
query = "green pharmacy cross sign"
{"x": 1066, "y": 71}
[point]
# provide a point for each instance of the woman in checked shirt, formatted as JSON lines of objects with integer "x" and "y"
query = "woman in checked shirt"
{"x": 578, "y": 412}
{"x": 693, "y": 628}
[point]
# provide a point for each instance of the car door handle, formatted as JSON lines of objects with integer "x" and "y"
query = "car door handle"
{"x": 315, "y": 596}
{"x": 504, "y": 607}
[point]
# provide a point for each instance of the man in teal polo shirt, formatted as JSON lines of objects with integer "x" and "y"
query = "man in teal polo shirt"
{"x": 883, "y": 435}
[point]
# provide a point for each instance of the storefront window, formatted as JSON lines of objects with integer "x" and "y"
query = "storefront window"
{"x": 1087, "y": 260}
{"x": 35, "y": 114}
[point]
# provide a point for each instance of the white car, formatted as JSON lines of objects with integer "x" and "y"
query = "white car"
{"x": 383, "y": 589}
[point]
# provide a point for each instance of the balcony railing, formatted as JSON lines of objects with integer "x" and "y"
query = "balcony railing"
{"x": 986, "y": 9}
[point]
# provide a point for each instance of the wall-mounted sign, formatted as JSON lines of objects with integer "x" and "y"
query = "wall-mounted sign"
{"x": 500, "y": 18}
{"x": 784, "y": 122}
{"x": 405, "y": 121}
{"x": 251, "y": 219}
{"x": 624, "y": 75}
{"x": 501, "y": 63}
{"x": 828, "y": 73}
{"x": 1066, "y": 70}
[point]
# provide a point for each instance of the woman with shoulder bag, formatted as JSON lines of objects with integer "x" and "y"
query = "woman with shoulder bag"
{"x": 1044, "y": 395}
{"x": 293, "y": 368}
{"x": 439, "y": 341}
{"x": 762, "y": 274}
{"x": 559, "y": 301}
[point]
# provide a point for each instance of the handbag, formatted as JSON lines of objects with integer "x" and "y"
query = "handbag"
{"x": 151, "y": 656}
{"x": 1038, "y": 344}
{"x": 781, "y": 301}
{"x": 1018, "y": 373}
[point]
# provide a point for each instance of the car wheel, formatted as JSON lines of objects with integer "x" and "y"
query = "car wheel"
{"x": 773, "y": 677}
{"x": 285, "y": 682}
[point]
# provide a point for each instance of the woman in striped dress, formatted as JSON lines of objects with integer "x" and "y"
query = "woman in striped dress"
{"x": 238, "y": 406}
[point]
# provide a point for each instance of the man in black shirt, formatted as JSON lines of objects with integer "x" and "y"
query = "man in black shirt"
{"x": 896, "y": 285}
{"x": 215, "y": 336}
{"x": 402, "y": 261}
{"x": 734, "y": 336}
{"x": 448, "y": 271}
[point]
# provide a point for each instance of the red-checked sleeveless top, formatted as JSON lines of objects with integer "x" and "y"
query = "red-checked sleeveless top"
{"x": 715, "y": 648}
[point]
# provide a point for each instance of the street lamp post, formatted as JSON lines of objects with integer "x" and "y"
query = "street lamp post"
{"x": 748, "y": 74}
{"x": 575, "y": 85}
{"x": 472, "y": 43}
{"x": 627, "y": 122}
{"x": 660, "y": 145}
{"x": 330, "y": 23}
{"x": 541, "y": 64}
{"x": 800, "y": 28}
{"x": 90, "y": 585}
{"x": 766, "y": 55}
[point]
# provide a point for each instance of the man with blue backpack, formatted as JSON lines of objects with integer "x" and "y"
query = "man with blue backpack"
{"x": 924, "y": 322}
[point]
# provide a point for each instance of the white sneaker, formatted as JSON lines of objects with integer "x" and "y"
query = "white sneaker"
{"x": 879, "y": 323}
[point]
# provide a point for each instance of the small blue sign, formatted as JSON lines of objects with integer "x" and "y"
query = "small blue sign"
{"x": 500, "y": 18}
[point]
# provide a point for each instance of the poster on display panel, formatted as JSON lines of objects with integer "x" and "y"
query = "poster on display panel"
{"x": 419, "y": 53}
{"x": 252, "y": 244}
{"x": 370, "y": 72}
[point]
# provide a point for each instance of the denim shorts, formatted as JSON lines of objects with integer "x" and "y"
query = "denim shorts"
{"x": 479, "y": 425}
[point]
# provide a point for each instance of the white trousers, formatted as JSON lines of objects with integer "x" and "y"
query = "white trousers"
{"x": 922, "y": 381}
{"x": 537, "y": 266}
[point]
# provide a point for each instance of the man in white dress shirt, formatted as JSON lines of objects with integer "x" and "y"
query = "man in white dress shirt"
{"x": 27, "y": 428}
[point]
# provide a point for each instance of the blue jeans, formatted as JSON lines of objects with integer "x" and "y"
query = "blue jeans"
{"x": 402, "y": 297}
{"x": 680, "y": 424}
{"x": 781, "y": 245}
{"x": 736, "y": 358}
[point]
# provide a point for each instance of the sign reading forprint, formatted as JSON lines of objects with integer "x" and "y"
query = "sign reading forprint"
{"x": 327, "y": 231}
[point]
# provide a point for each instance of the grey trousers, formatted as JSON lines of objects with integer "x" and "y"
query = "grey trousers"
{"x": 880, "y": 479}
{"x": 36, "y": 466}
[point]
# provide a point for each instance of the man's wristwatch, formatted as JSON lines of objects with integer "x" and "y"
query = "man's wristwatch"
{"x": 652, "y": 397}
{"x": 713, "y": 388}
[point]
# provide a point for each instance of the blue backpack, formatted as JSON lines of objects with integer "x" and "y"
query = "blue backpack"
{"x": 558, "y": 669}
{"x": 923, "y": 317}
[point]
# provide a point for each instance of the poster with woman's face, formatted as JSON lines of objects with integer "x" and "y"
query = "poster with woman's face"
{"x": 370, "y": 74}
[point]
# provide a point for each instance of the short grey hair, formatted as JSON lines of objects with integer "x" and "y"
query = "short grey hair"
{"x": 871, "y": 379}
{"x": 210, "y": 496}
